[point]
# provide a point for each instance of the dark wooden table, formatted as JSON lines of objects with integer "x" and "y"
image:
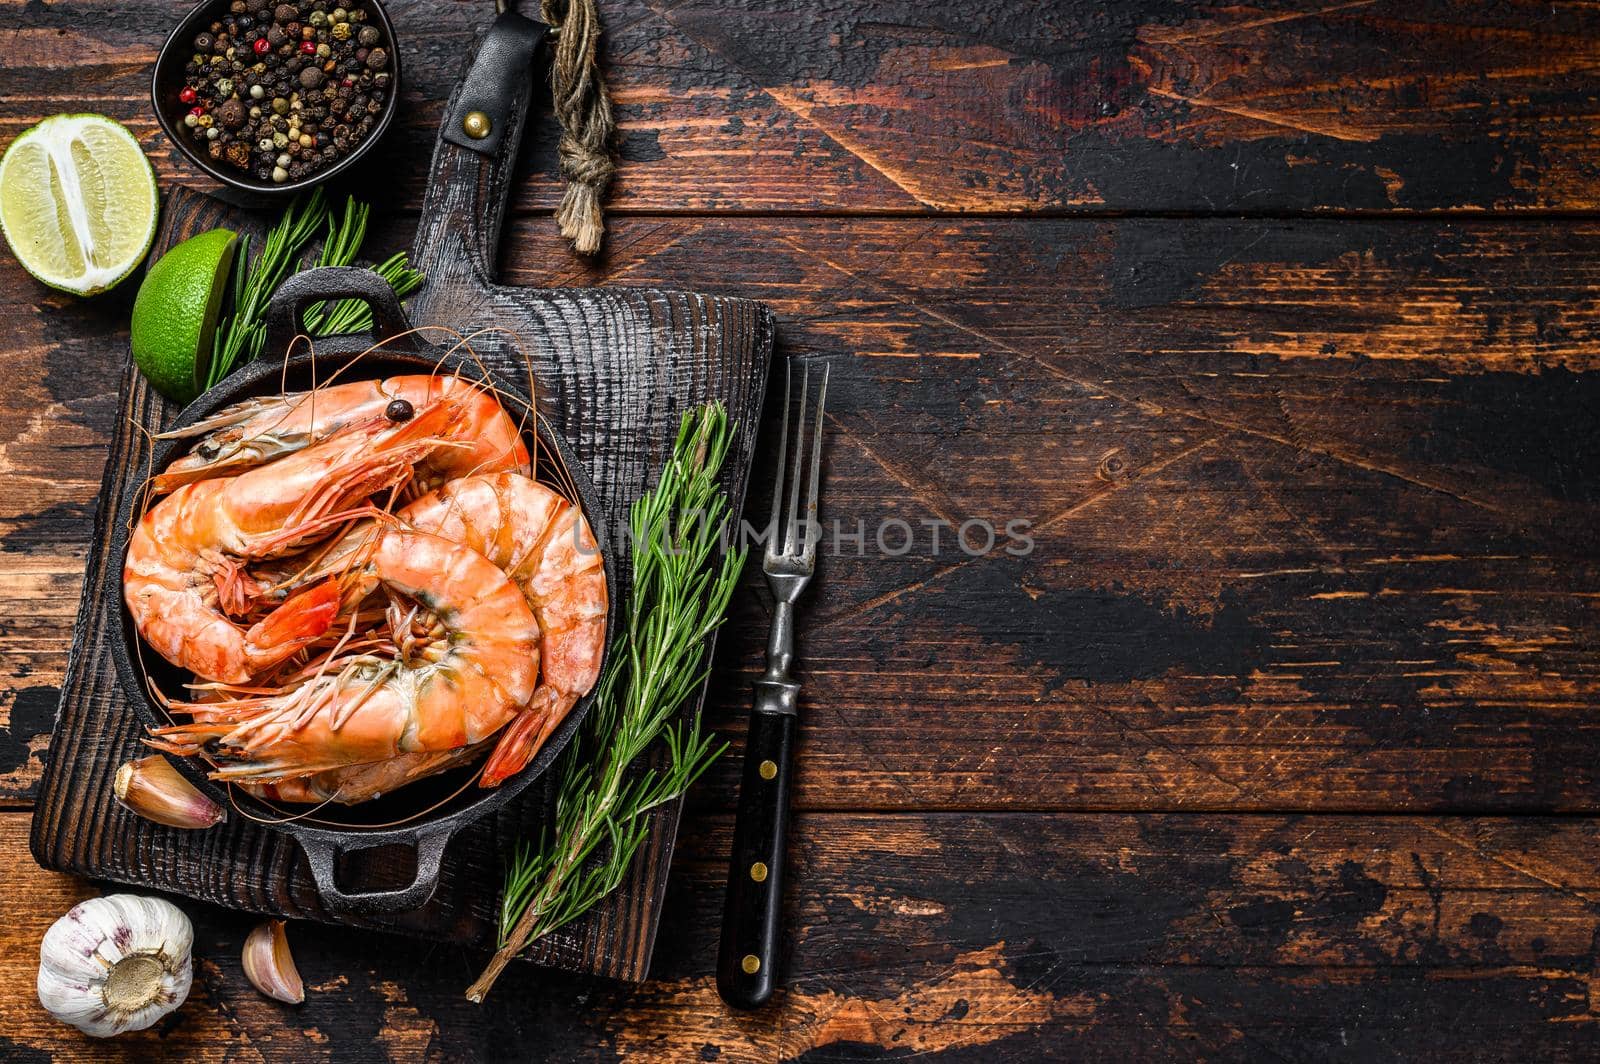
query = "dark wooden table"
{"x": 1279, "y": 326}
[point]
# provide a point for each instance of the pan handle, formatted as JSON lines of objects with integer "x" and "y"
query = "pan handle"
{"x": 287, "y": 309}
{"x": 323, "y": 857}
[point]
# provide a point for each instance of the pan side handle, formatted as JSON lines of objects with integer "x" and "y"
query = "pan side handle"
{"x": 323, "y": 857}
{"x": 294, "y": 296}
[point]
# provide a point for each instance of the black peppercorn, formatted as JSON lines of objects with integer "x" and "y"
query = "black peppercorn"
{"x": 310, "y": 77}
{"x": 232, "y": 113}
{"x": 377, "y": 59}
{"x": 286, "y": 12}
{"x": 202, "y": 42}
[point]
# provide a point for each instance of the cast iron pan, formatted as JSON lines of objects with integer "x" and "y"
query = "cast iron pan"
{"x": 335, "y": 830}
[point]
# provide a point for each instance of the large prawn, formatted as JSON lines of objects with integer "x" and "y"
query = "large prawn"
{"x": 454, "y": 687}
{"x": 257, "y": 431}
{"x": 545, "y": 546}
{"x": 184, "y": 569}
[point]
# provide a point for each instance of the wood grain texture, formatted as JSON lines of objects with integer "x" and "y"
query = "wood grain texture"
{"x": 893, "y": 105}
{"x": 1313, "y": 501}
{"x": 998, "y": 937}
{"x": 1313, "y": 505}
{"x": 616, "y": 371}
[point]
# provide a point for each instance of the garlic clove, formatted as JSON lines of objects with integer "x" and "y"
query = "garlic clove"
{"x": 269, "y": 966}
{"x": 155, "y": 790}
{"x": 114, "y": 964}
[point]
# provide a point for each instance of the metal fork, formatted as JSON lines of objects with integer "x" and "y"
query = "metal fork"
{"x": 750, "y": 920}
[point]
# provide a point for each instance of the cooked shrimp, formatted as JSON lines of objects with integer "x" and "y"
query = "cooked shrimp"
{"x": 185, "y": 558}
{"x": 256, "y": 431}
{"x": 542, "y": 542}
{"x": 453, "y": 688}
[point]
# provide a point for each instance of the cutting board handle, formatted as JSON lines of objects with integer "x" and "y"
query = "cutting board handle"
{"x": 470, "y": 179}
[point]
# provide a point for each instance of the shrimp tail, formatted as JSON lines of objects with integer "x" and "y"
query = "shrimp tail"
{"x": 522, "y": 738}
{"x": 300, "y": 621}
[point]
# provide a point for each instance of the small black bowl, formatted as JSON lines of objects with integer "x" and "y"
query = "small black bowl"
{"x": 167, "y": 81}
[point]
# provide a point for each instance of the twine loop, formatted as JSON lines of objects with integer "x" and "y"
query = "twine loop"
{"x": 583, "y": 108}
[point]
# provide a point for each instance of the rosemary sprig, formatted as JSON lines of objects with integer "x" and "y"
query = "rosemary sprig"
{"x": 679, "y": 597}
{"x": 241, "y": 335}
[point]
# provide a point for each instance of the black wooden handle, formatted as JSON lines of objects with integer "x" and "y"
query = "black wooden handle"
{"x": 471, "y": 178}
{"x": 748, "y": 956}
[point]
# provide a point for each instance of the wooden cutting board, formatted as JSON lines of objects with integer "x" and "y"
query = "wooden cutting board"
{"x": 615, "y": 368}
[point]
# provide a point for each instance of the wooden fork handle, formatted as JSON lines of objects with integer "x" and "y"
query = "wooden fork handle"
{"x": 751, "y": 918}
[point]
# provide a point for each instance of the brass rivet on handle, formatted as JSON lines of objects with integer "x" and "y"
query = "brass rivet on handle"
{"x": 758, "y": 872}
{"x": 768, "y": 770}
{"x": 751, "y": 964}
{"x": 476, "y": 125}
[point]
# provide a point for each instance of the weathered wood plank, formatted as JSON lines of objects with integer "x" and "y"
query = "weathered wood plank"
{"x": 1015, "y": 938}
{"x": 753, "y": 105}
{"x": 1313, "y": 505}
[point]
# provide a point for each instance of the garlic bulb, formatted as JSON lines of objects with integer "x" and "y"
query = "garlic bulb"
{"x": 116, "y": 964}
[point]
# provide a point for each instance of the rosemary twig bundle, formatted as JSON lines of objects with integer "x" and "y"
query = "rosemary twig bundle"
{"x": 679, "y": 597}
{"x": 241, "y": 334}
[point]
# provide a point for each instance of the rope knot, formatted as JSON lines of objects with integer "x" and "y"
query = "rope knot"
{"x": 584, "y": 164}
{"x": 583, "y": 107}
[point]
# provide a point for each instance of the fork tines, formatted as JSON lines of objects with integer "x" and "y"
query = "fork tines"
{"x": 797, "y": 545}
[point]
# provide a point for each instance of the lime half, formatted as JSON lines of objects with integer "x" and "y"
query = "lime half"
{"x": 77, "y": 202}
{"x": 175, "y": 312}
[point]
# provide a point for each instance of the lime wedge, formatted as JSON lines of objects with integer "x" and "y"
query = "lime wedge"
{"x": 175, "y": 312}
{"x": 77, "y": 202}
